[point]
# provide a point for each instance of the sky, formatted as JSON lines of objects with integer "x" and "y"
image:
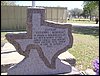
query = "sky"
{"x": 69, "y": 4}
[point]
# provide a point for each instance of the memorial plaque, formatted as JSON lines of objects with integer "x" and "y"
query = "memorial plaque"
{"x": 41, "y": 45}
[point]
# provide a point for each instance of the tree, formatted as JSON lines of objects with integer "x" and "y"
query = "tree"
{"x": 8, "y": 3}
{"x": 90, "y": 6}
{"x": 95, "y": 13}
{"x": 85, "y": 14}
{"x": 75, "y": 12}
{"x": 93, "y": 4}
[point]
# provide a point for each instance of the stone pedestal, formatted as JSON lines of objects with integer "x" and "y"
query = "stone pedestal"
{"x": 41, "y": 45}
{"x": 33, "y": 65}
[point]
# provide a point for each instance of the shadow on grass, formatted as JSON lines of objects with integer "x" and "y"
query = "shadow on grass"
{"x": 86, "y": 30}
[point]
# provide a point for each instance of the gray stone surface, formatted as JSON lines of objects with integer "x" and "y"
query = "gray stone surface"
{"x": 8, "y": 57}
{"x": 41, "y": 46}
{"x": 73, "y": 72}
{"x": 9, "y": 53}
{"x": 33, "y": 65}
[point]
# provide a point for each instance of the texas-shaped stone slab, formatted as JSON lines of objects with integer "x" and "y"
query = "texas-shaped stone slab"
{"x": 41, "y": 45}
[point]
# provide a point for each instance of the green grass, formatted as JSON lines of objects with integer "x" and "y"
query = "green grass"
{"x": 85, "y": 49}
{"x": 3, "y": 39}
{"x": 85, "y": 46}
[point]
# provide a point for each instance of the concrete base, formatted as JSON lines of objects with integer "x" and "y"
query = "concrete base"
{"x": 73, "y": 72}
{"x": 33, "y": 65}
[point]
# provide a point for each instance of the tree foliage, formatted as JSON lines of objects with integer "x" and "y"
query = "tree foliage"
{"x": 90, "y": 7}
{"x": 75, "y": 12}
{"x": 85, "y": 14}
{"x": 91, "y": 4}
{"x": 8, "y": 3}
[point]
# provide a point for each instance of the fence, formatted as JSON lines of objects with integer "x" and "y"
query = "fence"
{"x": 14, "y": 17}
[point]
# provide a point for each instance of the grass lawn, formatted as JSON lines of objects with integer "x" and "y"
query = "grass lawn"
{"x": 85, "y": 46}
{"x": 85, "y": 49}
{"x": 3, "y": 39}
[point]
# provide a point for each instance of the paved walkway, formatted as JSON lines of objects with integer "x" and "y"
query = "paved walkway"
{"x": 9, "y": 55}
{"x": 92, "y": 25}
{"x": 84, "y": 25}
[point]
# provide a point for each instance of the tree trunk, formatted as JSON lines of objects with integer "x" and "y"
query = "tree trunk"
{"x": 90, "y": 15}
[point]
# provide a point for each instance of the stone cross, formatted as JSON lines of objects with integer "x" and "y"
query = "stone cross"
{"x": 41, "y": 45}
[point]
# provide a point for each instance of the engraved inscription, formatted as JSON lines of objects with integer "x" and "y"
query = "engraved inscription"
{"x": 49, "y": 37}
